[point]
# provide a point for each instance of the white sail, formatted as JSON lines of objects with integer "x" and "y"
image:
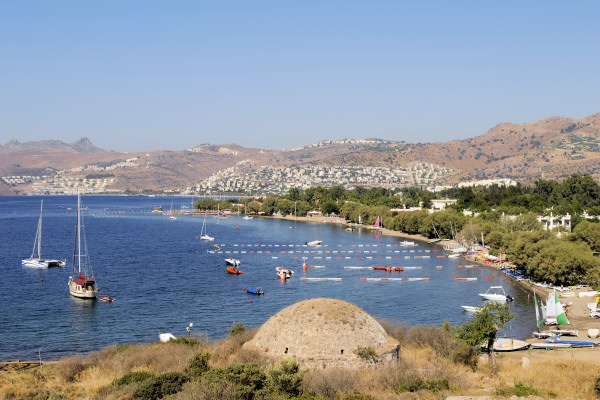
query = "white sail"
{"x": 550, "y": 310}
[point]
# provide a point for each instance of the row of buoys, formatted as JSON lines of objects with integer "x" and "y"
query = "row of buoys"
{"x": 324, "y": 245}
{"x": 320, "y": 279}
{"x": 395, "y": 279}
{"x": 456, "y": 278}
{"x": 467, "y": 266}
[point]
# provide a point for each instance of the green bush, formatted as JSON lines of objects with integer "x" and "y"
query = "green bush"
{"x": 519, "y": 389}
{"x": 236, "y": 327}
{"x": 597, "y": 386}
{"x": 366, "y": 353}
{"x": 160, "y": 386}
{"x": 198, "y": 365}
{"x": 247, "y": 378}
{"x": 184, "y": 340}
{"x": 421, "y": 384}
{"x": 132, "y": 377}
{"x": 286, "y": 377}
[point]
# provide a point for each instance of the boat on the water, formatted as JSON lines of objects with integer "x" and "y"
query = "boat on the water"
{"x": 39, "y": 262}
{"x": 203, "y": 234}
{"x": 496, "y": 293}
{"x": 508, "y": 344}
{"x": 82, "y": 285}
{"x": 407, "y": 243}
{"x": 106, "y": 299}
{"x": 471, "y": 309}
{"x": 234, "y": 271}
{"x": 254, "y": 290}
{"x": 314, "y": 243}
{"x": 232, "y": 261}
{"x": 284, "y": 273}
{"x": 247, "y": 217}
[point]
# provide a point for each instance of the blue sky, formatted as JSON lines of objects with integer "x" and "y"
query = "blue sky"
{"x": 145, "y": 75}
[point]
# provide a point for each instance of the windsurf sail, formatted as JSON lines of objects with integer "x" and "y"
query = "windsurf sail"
{"x": 561, "y": 316}
{"x": 537, "y": 311}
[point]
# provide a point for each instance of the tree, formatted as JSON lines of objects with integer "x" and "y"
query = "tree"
{"x": 589, "y": 233}
{"x": 329, "y": 207}
{"x": 484, "y": 325}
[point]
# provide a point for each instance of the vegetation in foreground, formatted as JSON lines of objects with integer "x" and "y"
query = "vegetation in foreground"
{"x": 433, "y": 365}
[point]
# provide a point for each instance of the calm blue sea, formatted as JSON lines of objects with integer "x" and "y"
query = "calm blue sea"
{"x": 163, "y": 278}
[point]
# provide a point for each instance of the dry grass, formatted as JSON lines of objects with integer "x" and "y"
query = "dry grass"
{"x": 77, "y": 378}
{"x": 563, "y": 378}
{"x": 230, "y": 350}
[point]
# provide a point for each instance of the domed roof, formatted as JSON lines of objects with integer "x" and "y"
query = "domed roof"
{"x": 320, "y": 331}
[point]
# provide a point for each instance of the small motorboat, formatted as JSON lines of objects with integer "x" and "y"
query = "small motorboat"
{"x": 406, "y": 243}
{"x": 254, "y": 290}
{"x": 471, "y": 309}
{"x": 232, "y": 261}
{"x": 314, "y": 243}
{"x": 283, "y": 273}
{"x": 106, "y": 299}
{"x": 234, "y": 271}
{"x": 247, "y": 218}
{"x": 542, "y": 335}
{"x": 496, "y": 293}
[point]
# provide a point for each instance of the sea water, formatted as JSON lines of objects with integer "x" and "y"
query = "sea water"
{"x": 163, "y": 277}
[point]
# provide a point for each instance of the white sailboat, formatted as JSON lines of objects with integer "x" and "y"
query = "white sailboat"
{"x": 83, "y": 284}
{"x": 555, "y": 312}
{"x": 39, "y": 262}
{"x": 203, "y": 234}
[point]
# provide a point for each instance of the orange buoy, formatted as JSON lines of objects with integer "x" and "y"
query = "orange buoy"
{"x": 237, "y": 227}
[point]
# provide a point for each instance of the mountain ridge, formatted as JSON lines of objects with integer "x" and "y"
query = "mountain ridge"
{"x": 553, "y": 147}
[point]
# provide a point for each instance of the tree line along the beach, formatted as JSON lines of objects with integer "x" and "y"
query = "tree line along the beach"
{"x": 504, "y": 218}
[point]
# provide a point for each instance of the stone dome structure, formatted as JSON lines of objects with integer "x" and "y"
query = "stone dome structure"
{"x": 324, "y": 333}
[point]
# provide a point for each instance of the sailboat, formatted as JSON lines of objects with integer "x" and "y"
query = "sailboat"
{"x": 39, "y": 262}
{"x": 377, "y": 224}
{"x": 554, "y": 311}
{"x": 83, "y": 285}
{"x": 203, "y": 234}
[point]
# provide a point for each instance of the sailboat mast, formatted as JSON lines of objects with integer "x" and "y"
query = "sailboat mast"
{"x": 78, "y": 232}
{"x": 40, "y": 232}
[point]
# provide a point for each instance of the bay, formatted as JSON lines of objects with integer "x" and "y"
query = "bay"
{"x": 163, "y": 277}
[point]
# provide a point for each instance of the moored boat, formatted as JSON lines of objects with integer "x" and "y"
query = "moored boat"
{"x": 234, "y": 271}
{"x": 314, "y": 243}
{"x": 254, "y": 290}
{"x": 471, "y": 309}
{"x": 232, "y": 261}
{"x": 496, "y": 293}
{"x": 39, "y": 262}
{"x": 83, "y": 285}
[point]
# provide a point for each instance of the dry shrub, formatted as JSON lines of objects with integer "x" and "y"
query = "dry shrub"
{"x": 397, "y": 331}
{"x": 69, "y": 369}
{"x": 158, "y": 358}
{"x": 331, "y": 383}
{"x": 202, "y": 391}
{"x": 225, "y": 350}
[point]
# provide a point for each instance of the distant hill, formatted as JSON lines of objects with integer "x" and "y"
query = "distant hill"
{"x": 83, "y": 145}
{"x": 552, "y": 148}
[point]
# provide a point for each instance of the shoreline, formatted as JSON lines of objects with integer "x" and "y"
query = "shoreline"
{"x": 576, "y": 310}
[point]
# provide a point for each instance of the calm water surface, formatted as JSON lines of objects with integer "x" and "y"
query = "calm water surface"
{"x": 163, "y": 278}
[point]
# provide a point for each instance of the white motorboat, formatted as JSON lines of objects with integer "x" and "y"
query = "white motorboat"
{"x": 471, "y": 309}
{"x": 39, "y": 262}
{"x": 314, "y": 243}
{"x": 232, "y": 261}
{"x": 496, "y": 293}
